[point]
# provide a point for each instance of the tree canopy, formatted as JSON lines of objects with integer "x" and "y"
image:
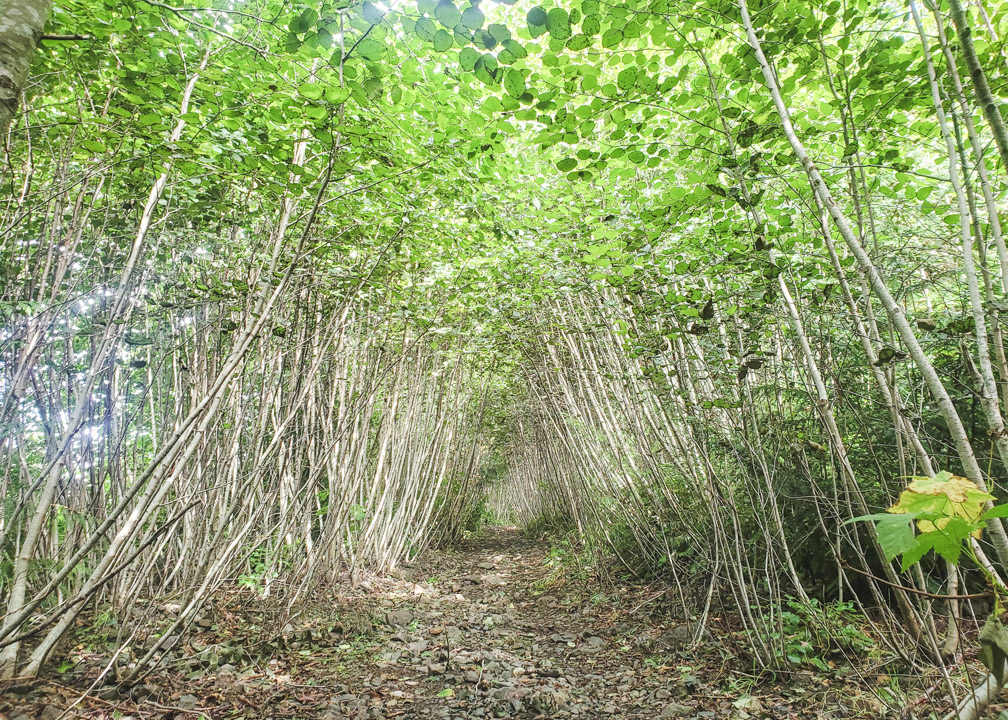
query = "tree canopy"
{"x": 318, "y": 286}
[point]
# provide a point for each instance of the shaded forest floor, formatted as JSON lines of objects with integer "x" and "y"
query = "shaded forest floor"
{"x": 492, "y": 629}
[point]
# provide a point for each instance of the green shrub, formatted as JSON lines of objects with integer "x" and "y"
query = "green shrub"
{"x": 811, "y": 633}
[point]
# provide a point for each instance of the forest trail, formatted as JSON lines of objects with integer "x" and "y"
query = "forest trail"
{"x": 494, "y": 636}
{"x": 491, "y": 629}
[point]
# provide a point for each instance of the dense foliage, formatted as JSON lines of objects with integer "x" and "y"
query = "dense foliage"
{"x": 291, "y": 292}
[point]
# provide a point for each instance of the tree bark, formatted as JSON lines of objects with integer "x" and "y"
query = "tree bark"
{"x": 985, "y": 98}
{"x": 21, "y": 24}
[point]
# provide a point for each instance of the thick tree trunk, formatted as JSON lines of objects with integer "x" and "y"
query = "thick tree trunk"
{"x": 21, "y": 23}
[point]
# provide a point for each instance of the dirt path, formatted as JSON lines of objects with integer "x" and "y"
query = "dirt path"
{"x": 487, "y": 630}
{"x": 491, "y": 640}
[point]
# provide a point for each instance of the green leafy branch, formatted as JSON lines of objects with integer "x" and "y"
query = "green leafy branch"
{"x": 939, "y": 513}
{"x": 944, "y": 513}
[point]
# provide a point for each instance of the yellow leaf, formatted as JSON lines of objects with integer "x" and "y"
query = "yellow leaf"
{"x": 944, "y": 494}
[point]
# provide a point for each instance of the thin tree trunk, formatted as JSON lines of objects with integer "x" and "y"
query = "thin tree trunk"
{"x": 944, "y": 402}
{"x": 985, "y": 98}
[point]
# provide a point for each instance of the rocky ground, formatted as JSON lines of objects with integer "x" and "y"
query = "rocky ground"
{"x": 491, "y": 630}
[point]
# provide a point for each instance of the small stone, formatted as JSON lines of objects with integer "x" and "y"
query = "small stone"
{"x": 187, "y": 702}
{"x": 398, "y": 618}
{"x": 288, "y": 630}
{"x": 689, "y": 682}
{"x": 675, "y": 710}
{"x": 678, "y": 636}
{"x": 109, "y": 693}
{"x": 170, "y": 642}
{"x": 226, "y": 676}
{"x": 146, "y": 691}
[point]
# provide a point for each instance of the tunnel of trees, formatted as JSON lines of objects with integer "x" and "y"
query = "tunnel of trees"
{"x": 291, "y": 293}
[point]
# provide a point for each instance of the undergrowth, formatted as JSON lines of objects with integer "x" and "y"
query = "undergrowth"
{"x": 816, "y": 634}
